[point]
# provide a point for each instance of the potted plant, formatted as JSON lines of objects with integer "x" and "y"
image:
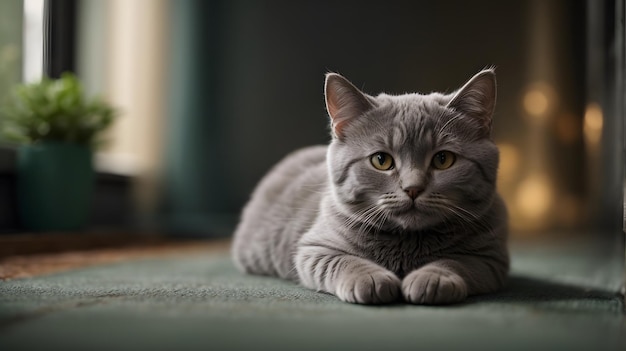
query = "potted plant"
{"x": 57, "y": 128}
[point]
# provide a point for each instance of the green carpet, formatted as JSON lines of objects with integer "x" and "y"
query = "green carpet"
{"x": 201, "y": 302}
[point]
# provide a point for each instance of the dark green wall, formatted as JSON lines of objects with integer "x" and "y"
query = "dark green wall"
{"x": 248, "y": 81}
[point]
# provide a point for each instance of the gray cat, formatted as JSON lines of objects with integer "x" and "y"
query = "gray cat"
{"x": 401, "y": 205}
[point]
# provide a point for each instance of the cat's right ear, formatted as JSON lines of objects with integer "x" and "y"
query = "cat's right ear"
{"x": 477, "y": 99}
{"x": 344, "y": 102}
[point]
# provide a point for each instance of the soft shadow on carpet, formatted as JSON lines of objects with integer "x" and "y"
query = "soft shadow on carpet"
{"x": 200, "y": 301}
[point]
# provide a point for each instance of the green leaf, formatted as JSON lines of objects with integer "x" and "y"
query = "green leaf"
{"x": 54, "y": 110}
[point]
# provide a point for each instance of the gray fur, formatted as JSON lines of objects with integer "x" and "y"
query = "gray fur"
{"x": 326, "y": 218}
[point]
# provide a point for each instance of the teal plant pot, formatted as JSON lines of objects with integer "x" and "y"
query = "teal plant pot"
{"x": 55, "y": 185}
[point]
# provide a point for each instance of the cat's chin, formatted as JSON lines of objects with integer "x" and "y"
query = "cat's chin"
{"x": 412, "y": 217}
{"x": 411, "y": 222}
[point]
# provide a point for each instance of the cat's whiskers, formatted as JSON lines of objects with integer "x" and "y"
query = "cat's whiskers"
{"x": 460, "y": 214}
{"x": 367, "y": 219}
{"x": 356, "y": 216}
{"x": 379, "y": 220}
{"x": 477, "y": 222}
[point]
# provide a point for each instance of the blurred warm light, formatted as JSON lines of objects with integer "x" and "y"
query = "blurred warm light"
{"x": 539, "y": 99}
{"x": 509, "y": 162}
{"x": 592, "y": 127}
{"x": 534, "y": 197}
{"x": 535, "y": 103}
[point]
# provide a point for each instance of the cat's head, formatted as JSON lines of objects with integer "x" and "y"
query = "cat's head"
{"x": 412, "y": 162}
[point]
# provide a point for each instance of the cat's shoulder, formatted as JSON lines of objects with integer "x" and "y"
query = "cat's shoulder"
{"x": 298, "y": 162}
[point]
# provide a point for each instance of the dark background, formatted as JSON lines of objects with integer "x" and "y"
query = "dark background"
{"x": 248, "y": 81}
{"x": 246, "y": 88}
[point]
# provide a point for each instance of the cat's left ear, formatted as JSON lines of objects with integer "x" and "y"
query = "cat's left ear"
{"x": 344, "y": 102}
{"x": 477, "y": 99}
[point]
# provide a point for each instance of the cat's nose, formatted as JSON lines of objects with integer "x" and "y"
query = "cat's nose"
{"x": 413, "y": 191}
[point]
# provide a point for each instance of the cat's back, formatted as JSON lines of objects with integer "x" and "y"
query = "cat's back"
{"x": 298, "y": 167}
{"x": 282, "y": 207}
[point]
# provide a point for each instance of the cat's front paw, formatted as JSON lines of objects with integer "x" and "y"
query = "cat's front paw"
{"x": 433, "y": 285}
{"x": 372, "y": 288}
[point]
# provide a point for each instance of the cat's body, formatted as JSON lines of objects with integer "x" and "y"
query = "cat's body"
{"x": 402, "y": 203}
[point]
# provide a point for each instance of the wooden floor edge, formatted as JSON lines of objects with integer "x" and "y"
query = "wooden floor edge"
{"x": 32, "y": 265}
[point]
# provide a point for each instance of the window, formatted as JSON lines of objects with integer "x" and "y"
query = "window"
{"x": 11, "y": 46}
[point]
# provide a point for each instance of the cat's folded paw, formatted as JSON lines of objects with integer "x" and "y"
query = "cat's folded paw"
{"x": 433, "y": 285}
{"x": 374, "y": 288}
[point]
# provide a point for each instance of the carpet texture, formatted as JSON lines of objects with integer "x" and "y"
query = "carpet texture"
{"x": 199, "y": 301}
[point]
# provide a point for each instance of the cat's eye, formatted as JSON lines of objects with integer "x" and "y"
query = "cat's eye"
{"x": 443, "y": 160}
{"x": 382, "y": 161}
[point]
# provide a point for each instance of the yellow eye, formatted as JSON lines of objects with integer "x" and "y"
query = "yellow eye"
{"x": 443, "y": 160}
{"x": 382, "y": 161}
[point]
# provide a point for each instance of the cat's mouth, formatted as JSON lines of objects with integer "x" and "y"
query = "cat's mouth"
{"x": 408, "y": 214}
{"x": 408, "y": 209}
{"x": 414, "y": 215}
{"x": 394, "y": 205}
